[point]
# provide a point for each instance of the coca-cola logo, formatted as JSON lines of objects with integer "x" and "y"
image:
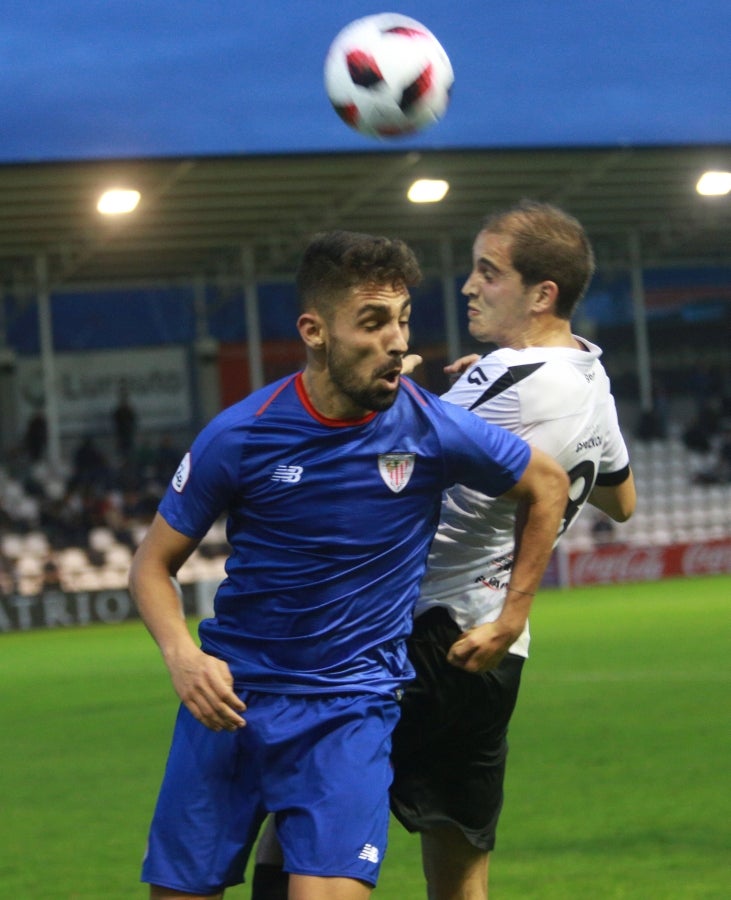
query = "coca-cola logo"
{"x": 705, "y": 559}
{"x": 630, "y": 564}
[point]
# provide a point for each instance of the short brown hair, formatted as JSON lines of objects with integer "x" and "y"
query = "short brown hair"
{"x": 336, "y": 261}
{"x": 547, "y": 244}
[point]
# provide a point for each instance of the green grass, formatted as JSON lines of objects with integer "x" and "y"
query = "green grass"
{"x": 617, "y": 783}
{"x": 618, "y": 776}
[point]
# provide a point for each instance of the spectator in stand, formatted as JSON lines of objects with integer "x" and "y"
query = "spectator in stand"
{"x": 125, "y": 423}
{"x": 652, "y": 424}
{"x": 724, "y": 454}
{"x": 720, "y": 470}
{"x": 8, "y": 577}
{"x": 90, "y": 466}
{"x": 51, "y": 577}
{"x": 602, "y": 529}
{"x": 704, "y": 382}
{"x": 698, "y": 436}
{"x": 35, "y": 439}
{"x": 726, "y": 407}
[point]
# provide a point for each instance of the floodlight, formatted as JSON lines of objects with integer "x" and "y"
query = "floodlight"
{"x": 714, "y": 184}
{"x": 118, "y": 201}
{"x": 428, "y": 190}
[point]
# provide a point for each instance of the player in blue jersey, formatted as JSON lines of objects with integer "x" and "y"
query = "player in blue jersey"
{"x": 331, "y": 482}
{"x": 532, "y": 264}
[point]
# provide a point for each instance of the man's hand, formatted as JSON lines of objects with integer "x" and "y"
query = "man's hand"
{"x": 205, "y": 685}
{"x": 481, "y": 648}
{"x": 462, "y": 364}
{"x": 410, "y": 362}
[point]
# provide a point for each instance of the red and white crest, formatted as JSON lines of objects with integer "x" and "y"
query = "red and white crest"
{"x": 396, "y": 469}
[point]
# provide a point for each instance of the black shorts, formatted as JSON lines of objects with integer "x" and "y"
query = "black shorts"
{"x": 450, "y": 745}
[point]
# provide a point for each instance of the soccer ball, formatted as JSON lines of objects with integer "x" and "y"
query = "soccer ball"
{"x": 387, "y": 75}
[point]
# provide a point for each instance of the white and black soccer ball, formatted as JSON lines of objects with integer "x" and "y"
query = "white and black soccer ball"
{"x": 387, "y": 75}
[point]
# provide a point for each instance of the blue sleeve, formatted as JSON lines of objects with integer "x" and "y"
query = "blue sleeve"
{"x": 480, "y": 455}
{"x": 205, "y": 483}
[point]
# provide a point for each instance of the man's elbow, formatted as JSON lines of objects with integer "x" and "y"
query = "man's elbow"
{"x": 548, "y": 480}
{"x": 624, "y": 500}
{"x": 616, "y": 501}
{"x": 625, "y": 511}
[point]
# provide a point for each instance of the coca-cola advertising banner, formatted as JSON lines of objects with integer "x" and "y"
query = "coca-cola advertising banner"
{"x": 617, "y": 564}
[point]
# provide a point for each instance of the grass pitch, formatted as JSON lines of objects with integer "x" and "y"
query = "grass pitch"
{"x": 617, "y": 782}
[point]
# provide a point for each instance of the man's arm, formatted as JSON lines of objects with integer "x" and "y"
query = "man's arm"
{"x": 617, "y": 501}
{"x": 203, "y": 683}
{"x": 542, "y": 494}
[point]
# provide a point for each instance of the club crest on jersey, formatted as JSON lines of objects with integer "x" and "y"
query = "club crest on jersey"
{"x": 396, "y": 469}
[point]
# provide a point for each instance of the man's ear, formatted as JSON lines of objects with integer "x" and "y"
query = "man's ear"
{"x": 545, "y": 295}
{"x": 312, "y": 330}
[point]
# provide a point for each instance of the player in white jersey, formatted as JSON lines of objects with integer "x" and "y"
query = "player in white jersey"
{"x": 557, "y": 398}
{"x": 532, "y": 265}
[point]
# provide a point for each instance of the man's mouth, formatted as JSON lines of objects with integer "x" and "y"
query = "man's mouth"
{"x": 390, "y": 376}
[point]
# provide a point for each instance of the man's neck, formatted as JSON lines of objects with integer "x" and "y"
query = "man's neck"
{"x": 556, "y": 333}
{"x": 327, "y": 400}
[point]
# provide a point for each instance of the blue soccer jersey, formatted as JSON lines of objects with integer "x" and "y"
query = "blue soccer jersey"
{"x": 330, "y": 524}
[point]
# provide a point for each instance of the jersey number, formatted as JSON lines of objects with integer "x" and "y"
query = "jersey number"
{"x": 585, "y": 473}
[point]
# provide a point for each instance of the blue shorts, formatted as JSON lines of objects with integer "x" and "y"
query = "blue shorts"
{"x": 320, "y": 764}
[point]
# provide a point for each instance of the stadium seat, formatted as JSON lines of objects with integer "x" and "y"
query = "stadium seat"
{"x": 36, "y": 544}
{"x": 101, "y": 538}
{"x": 11, "y": 546}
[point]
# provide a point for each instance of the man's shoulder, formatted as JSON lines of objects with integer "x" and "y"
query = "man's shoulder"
{"x": 262, "y": 400}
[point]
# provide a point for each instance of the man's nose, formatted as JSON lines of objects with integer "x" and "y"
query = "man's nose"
{"x": 468, "y": 288}
{"x": 398, "y": 342}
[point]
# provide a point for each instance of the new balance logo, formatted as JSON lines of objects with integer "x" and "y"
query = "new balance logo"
{"x": 287, "y": 474}
{"x": 370, "y": 853}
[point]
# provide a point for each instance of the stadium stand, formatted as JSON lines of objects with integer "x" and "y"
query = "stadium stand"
{"x": 58, "y": 534}
{"x": 88, "y": 539}
{"x": 673, "y": 505}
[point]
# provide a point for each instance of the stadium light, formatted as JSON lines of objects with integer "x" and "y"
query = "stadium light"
{"x": 428, "y": 190}
{"x": 118, "y": 201}
{"x": 714, "y": 184}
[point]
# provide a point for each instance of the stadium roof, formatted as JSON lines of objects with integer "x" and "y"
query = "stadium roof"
{"x": 198, "y": 214}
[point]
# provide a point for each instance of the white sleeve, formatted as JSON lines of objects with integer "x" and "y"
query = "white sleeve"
{"x": 615, "y": 455}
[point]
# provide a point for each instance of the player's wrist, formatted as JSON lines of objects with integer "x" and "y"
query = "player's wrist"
{"x": 516, "y": 590}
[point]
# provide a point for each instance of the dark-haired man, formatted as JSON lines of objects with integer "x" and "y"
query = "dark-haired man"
{"x": 331, "y": 480}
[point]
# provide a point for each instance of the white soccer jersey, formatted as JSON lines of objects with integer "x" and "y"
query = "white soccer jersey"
{"x": 559, "y": 400}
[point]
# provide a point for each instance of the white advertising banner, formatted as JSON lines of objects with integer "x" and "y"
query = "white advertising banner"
{"x": 88, "y": 386}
